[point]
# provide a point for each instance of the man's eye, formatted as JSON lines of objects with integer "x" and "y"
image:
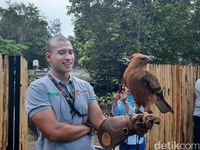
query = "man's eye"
{"x": 62, "y": 52}
{"x": 71, "y": 52}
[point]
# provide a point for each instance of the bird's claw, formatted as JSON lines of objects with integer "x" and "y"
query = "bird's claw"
{"x": 135, "y": 116}
{"x": 151, "y": 117}
{"x": 145, "y": 118}
{"x": 137, "y": 111}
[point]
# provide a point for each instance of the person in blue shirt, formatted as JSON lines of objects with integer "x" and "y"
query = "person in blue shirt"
{"x": 124, "y": 103}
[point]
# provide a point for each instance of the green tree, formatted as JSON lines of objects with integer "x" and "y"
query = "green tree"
{"x": 55, "y": 27}
{"x": 169, "y": 35}
{"x": 193, "y": 46}
{"x": 24, "y": 24}
{"x": 9, "y": 47}
{"x": 106, "y": 32}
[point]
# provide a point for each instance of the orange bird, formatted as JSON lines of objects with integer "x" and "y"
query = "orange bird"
{"x": 143, "y": 85}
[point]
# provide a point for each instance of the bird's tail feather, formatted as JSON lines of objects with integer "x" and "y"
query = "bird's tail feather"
{"x": 163, "y": 106}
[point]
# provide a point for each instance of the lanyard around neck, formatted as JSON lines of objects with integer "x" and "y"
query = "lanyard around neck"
{"x": 67, "y": 97}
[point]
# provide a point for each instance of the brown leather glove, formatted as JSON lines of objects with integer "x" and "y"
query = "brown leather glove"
{"x": 115, "y": 129}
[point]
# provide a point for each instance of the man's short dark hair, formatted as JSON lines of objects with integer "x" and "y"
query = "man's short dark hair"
{"x": 55, "y": 38}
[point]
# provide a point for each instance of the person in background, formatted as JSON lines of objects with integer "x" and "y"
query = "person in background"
{"x": 196, "y": 116}
{"x": 124, "y": 103}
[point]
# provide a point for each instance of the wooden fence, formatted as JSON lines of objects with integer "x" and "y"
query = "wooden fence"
{"x": 6, "y": 100}
{"x": 178, "y": 83}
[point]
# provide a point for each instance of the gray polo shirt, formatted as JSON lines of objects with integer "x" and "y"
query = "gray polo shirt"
{"x": 197, "y": 102}
{"x": 43, "y": 94}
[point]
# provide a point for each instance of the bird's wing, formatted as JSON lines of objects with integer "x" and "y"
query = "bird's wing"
{"x": 151, "y": 82}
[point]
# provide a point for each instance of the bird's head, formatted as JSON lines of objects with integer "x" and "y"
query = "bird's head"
{"x": 139, "y": 59}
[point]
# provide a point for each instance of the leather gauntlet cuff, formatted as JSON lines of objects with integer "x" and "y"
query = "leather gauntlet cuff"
{"x": 113, "y": 130}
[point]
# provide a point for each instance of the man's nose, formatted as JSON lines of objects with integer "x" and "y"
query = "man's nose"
{"x": 68, "y": 56}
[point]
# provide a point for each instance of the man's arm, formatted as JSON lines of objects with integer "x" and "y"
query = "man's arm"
{"x": 53, "y": 130}
{"x": 95, "y": 114}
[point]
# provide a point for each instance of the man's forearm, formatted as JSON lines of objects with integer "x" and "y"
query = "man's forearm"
{"x": 54, "y": 130}
{"x": 67, "y": 132}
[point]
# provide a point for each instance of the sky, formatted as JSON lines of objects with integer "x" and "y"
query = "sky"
{"x": 51, "y": 9}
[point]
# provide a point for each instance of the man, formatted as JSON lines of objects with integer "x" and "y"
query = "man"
{"x": 61, "y": 105}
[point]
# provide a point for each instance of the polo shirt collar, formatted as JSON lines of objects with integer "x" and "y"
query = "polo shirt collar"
{"x": 59, "y": 81}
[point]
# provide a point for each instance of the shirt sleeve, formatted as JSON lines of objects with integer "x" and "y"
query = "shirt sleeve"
{"x": 37, "y": 98}
{"x": 91, "y": 95}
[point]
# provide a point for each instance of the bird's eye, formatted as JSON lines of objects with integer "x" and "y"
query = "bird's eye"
{"x": 132, "y": 56}
{"x": 142, "y": 58}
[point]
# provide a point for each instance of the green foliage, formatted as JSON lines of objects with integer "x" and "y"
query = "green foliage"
{"x": 108, "y": 97}
{"x": 107, "y": 31}
{"x": 23, "y": 24}
{"x": 97, "y": 42}
{"x": 105, "y": 103}
{"x": 9, "y": 47}
{"x": 170, "y": 33}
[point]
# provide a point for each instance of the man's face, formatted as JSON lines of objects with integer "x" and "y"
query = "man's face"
{"x": 61, "y": 57}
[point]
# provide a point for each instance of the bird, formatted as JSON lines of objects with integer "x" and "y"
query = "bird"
{"x": 144, "y": 86}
